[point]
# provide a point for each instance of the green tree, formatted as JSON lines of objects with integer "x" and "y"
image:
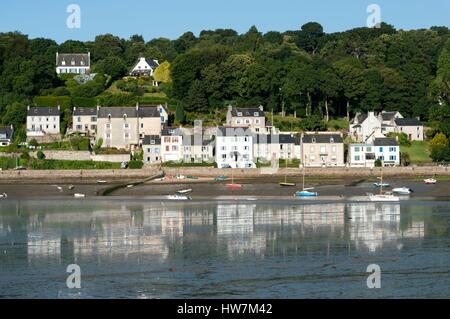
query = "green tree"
{"x": 162, "y": 73}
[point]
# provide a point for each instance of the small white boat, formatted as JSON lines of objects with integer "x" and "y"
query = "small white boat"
{"x": 179, "y": 197}
{"x": 3, "y": 196}
{"x": 387, "y": 197}
{"x": 71, "y": 187}
{"x": 430, "y": 181}
{"x": 102, "y": 182}
{"x": 185, "y": 191}
{"x": 402, "y": 191}
{"x": 383, "y": 185}
{"x": 77, "y": 195}
{"x": 130, "y": 186}
{"x": 181, "y": 177}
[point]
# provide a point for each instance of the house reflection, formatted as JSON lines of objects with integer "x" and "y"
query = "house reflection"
{"x": 159, "y": 231}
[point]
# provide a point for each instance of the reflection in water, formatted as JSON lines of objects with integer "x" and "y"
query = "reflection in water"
{"x": 113, "y": 229}
{"x": 223, "y": 249}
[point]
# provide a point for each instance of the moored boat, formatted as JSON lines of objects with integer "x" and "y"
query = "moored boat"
{"x": 306, "y": 193}
{"x": 77, "y": 195}
{"x": 402, "y": 190}
{"x": 382, "y": 185}
{"x": 386, "y": 197}
{"x": 179, "y": 197}
{"x": 430, "y": 181}
{"x": 185, "y": 191}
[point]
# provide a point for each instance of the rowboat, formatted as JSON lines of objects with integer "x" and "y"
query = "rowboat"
{"x": 383, "y": 185}
{"x": 3, "y": 196}
{"x": 234, "y": 186}
{"x": 179, "y": 197}
{"x": 185, "y": 191}
{"x": 79, "y": 195}
{"x": 306, "y": 193}
{"x": 430, "y": 181}
{"x": 102, "y": 182}
{"x": 402, "y": 191}
{"x": 285, "y": 184}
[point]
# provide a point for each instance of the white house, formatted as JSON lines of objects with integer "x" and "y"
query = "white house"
{"x": 144, "y": 67}
{"x": 323, "y": 149}
{"x": 6, "y": 135}
{"x": 364, "y": 155}
{"x": 387, "y": 150}
{"x": 73, "y": 63}
{"x": 413, "y": 128}
{"x": 234, "y": 148}
{"x": 171, "y": 144}
{"x": 84, "y": 120}
{"x": 43, "y": 121}
{"x": 364, "y": 127}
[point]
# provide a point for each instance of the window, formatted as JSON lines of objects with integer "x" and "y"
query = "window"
{"x": 256, "y": 114}
{"x": 323, "y": 149}
{"x": 108, "y": 126}
{"x": 357, "y": 149}
{"x": 79, "y": 119}
{"x": 108, "y": 135}
{"x": 333, "y": 149}
{"x": 381, "y": 150}
{"x": 224, "y": 156}
{"x": 167, "y": 148}
{"x": 239, "y": 114}
{"x": 93, "y": 127}
{"x": 311, "y": 149}
{"x": 357, "y": 158}
{"x": 238, "y": 122}
{"x": 369, "y": 149}
{"x": 312, "y": 157}
{"x": 126, "y": 126}
{"x": 79, "y": 127}
{"x": 142, "y": 125}
{"x": 174, "y": 139}
{"x": 247, "y": 122}
{"x": 174, "y": 148}
{"x": 166, "y": 139}
{"x": 257, "y": 121}
{"x": 223, "y": 148}
{"x": 334, "y": 158}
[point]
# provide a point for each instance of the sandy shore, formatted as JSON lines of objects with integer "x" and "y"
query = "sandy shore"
{"x": 207, "y": 188}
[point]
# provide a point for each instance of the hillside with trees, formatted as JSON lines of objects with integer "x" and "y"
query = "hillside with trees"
{"x": 307, "y": 72}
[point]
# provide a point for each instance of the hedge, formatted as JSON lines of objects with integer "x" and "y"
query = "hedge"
{"x": 135, "y": 164}
{"x": 52, "y": 101}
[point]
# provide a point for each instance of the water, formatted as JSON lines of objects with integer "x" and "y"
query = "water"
{"x": 258, "y": 249}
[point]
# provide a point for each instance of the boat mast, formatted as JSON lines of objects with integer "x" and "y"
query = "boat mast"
{"x": 381, "y": 188}
{"x": 304, "y": 167}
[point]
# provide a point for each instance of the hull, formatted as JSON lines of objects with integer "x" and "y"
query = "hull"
{"x": 234, "y": 186}
{"x": 287, "y": 184}
{"x": 383, "y": 198}
{"x": 402, "y": 191}
{"x": 430, "y": 181}
{"x": 306, "y": 194}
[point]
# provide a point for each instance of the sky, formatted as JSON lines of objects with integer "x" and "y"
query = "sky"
{"x": 171, "y": 18}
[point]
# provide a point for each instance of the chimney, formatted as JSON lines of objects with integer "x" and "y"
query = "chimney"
{"x": 28, "y": 108}
{"x": 98, "y": 108}
{"x": 261, "y": 108}
{"x": 230, "y": 108}
{"x": 57, "y": 55}
{"x": 137, "y": 106}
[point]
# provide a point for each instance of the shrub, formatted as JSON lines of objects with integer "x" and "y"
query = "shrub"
{"x": 378, "y": 163}
{"x": 33, "y": 143}
{"x": 405, "y": 159}
{"x": 40, "y": 155}
{"x": 135, "y": 164}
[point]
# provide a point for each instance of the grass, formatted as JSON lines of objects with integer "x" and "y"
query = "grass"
{"x": 418, "y": 152}
{"x": 35, "y": 164}
{"x": 338, "y": 124}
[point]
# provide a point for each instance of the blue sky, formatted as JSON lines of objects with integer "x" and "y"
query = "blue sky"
{"x": 171, "y": 18}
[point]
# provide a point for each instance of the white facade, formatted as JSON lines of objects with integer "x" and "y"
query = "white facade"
{"x": 73, "y": 63}
{"x": 363, "y": 128}
{"x": 234, "y": 148}
{"x": 171, "y": 145}
{"x": 386, "y": 150}
{"x": 43, "y": 121}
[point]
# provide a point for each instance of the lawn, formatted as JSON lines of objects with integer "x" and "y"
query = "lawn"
{"x": 418, "y": 152}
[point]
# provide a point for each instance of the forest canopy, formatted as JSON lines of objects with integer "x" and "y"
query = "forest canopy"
{"x": 306, "y": 71}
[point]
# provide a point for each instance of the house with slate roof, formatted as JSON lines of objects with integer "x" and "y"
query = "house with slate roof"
{"x": 6, "y": 135}
{"x": 234, "y": 147}
{"x": 276, "y": 146}
{"x": 73, "y": 63}
{"x": 323, "y": 149}
{"x": 144, "y": 67}
{"x": 43, "y": 121}
{"x": 253, "y": 118}
{"x": 84, "y": 120}
{"x": 151, "y": 145}
{"x": 364, "y": 155}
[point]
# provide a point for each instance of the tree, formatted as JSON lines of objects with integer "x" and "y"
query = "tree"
{"x": 180, "y": 116}
{"x": 106, "y": 46}
{"x": 112, "y": 66}
{"x": 439, "y": 140}
{"x": 310, "y": 36}
{"x": 196, "y": 100}
{"x": 162, "y": 73}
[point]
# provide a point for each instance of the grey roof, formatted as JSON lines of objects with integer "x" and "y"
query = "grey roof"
{"x": 278, "y": 139}
{"x": 171, "y": 131}
{"x": 385, "y": 141}
{"x": 79, "y": 59}
{"x": 359, "y": 118}
{"x": 8, "y": 131}
{"x": 43, "y": 111}
{"x": 247, "y": 112}
{"x": 322, "y": 138}
{"x": 151, "y": 63}
{"x": 117, "y": 112}
{"x": 233, "y": 131}
{"x": 149, "y": 138}
{"x": 387, "y": 116}
{"x": 149, "y": 111}
{"x": 408, "y": 122}
{"x": 85, "y": 111}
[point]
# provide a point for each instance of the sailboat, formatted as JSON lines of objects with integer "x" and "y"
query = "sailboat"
{"x": 233, "y": 185}
{"x": 386, "y": 197}
{"x": 285, "y": 183}
{"x": 306, "y": 192}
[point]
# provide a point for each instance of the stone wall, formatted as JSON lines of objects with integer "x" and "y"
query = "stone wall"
{"x": 113, "y": 158}
{"x": 83, "y": 156}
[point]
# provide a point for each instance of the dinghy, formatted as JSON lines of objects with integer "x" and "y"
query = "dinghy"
{"x": 430, "y": 181}
{"x": 178, "y": 197}
{"x": 402, "y": 191}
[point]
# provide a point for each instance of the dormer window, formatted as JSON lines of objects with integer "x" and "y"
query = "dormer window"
{"x": 239, "y": 114}
{"x": 82, "y": 63}
{"x": 109, "y": 117}
{"x": 256, "y": 114}
{"x": 152, "y": 142}
{"x": 124, "y": 117}
{"x": 63, "y": 62}
{"x": 331, "y": 140}
{"x": 314, "y": 140}
{"x": 73, "y": 62}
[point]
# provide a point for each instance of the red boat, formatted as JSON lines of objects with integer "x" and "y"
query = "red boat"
{"x": 234, "y": 186}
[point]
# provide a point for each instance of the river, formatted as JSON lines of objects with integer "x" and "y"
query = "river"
{"x": 135, "y": 248}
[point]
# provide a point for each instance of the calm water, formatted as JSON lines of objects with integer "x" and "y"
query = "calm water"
{"x": 143, "y": 249}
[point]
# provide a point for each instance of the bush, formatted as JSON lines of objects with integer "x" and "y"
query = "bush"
{"x": 440, "y": 153}
{"x": 40, "y": 155}
{"x": 405, "y": 159}
{"x": 33, "y": 143}
{"x": 135, "y": 164}
{"x": 378, "y": 163}
{"x": 403, "y": 139}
